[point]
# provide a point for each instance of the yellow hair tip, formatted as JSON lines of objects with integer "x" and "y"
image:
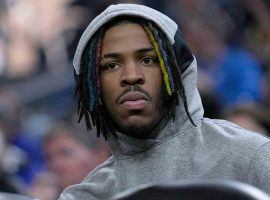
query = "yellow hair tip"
{"x": 161, "y": 61}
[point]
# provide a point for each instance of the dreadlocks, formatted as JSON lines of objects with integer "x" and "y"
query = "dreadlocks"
{"x": 88, "y": 83}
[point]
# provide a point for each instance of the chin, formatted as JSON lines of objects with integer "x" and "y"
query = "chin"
{"x": 137, "y": 129}
{"x": 140, "y": 132}
{"x": 136, "y": 125}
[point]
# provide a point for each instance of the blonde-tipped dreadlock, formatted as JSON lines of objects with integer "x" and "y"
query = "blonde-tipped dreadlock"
{"x": 160, "y": 58}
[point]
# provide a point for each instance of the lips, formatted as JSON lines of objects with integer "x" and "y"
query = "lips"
{"x": 134, "y": 100}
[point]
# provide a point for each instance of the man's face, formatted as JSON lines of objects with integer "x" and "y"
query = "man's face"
{"x": 131, "y": 81}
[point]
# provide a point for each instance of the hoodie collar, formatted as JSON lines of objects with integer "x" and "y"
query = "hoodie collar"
{"x": 167, "y": 25}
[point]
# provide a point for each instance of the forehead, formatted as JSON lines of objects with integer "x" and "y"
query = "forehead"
{"x": 126, "y": 35}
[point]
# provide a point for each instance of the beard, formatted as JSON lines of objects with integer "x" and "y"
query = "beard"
{"x": 137, "y": 127}
{"x": 141, "y": 131}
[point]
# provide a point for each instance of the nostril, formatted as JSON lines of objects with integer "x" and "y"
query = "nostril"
{"x": 124, "y": 83}
{"x": 132, "y": 81}
{"x": 139, "y": 81}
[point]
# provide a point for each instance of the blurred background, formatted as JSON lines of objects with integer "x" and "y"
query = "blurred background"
{"x": 231, "y": 41}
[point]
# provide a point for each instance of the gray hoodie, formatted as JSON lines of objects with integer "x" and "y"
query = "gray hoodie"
{"x": 175, "y": 150}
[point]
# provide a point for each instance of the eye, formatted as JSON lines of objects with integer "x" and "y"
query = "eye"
{"x": 148, "y": 60}
{"x": 110, "y": 66}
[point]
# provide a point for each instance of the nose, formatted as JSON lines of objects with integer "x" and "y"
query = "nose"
{"x": 56, "y": 165}
{"x": 132, "y": 74}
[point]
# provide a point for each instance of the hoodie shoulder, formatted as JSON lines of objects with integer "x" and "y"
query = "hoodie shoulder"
{"x": 227, "y": 137}
{"x": 230, "y": 131}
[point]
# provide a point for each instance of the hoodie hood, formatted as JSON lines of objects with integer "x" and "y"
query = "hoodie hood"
{"x": 123, "y": 145}
{"x": 167, "y": 25}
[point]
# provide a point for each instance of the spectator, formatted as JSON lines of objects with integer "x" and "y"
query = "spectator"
{"x": 231, "y": 73}
{"x": 69, "y": 155}
{"x": 226, "y": 69}
{"x": 252, "y": 117}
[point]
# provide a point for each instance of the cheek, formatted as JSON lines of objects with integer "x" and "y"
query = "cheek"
{"x": 154, "y": 82}
{"x": 109, "y": 88}
{"x": 158, "y": 93}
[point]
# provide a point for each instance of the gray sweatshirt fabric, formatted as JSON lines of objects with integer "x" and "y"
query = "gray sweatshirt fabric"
{"x": 214, "y": 149}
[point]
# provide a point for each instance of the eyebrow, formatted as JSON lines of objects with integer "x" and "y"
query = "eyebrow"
{"x": 117, "y": 55}
{"x": 144, "y": 50}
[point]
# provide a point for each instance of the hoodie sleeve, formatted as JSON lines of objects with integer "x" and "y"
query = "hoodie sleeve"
{"x": 259, "y": 170}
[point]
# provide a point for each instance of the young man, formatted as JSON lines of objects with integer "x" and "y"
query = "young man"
{"x": 137, "y": 80}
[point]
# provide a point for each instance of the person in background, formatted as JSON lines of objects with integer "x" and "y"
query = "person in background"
{"x": 251, "y": 117}
{"x": 69, "y": 156}
{"x": 231, "y": 73}
{"x": 227, "y": 69}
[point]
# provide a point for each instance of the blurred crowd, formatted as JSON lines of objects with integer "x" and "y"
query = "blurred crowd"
{"x": 42, "y": 147}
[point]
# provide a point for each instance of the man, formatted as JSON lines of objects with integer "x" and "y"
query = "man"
{"x": 137, "y": 80}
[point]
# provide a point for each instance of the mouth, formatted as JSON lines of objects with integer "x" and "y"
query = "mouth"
{"x": 134, "y": 100}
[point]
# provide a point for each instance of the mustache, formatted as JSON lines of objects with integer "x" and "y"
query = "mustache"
{"x": 132, "y": 88}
